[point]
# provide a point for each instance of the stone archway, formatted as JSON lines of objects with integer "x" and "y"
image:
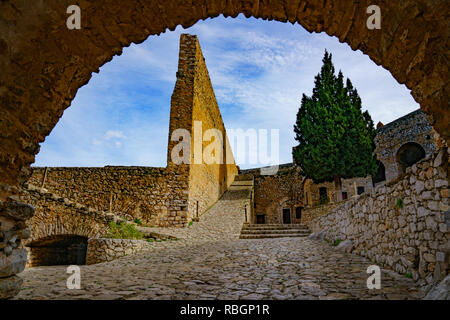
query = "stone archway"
{"x": 380, "y": 175}
{"x": 44, "y": 63}
{"x": 408, "y": 154}
{"x": 66, "y": 249}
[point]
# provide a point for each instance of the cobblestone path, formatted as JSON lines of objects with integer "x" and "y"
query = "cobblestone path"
{"x": 210, "y": 262}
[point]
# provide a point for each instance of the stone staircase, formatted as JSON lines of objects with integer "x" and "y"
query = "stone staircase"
{"x": 261, "y": 231}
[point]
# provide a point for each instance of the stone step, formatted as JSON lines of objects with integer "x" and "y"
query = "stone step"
{"x": 275, "y": 227}
{"x": 271, "y": 236}
{"x": 261, "y": 231}
{"x": 271, "y": 231}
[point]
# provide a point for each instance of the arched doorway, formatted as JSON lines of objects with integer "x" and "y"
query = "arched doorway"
{"x": 57, "y": 250}
{"x": 408, "y": 154}
{"x": 381, "y": 174}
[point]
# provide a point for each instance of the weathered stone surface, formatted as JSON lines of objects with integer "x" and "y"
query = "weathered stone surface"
{"x": 440, "y": 291}
{"x": 317, "y": 236}
{"x": 13, "y": 263}
{"x": 19, "y": 210}
{"x": 103, "y": 249}
{"x": 391, "y": 138}
{"x": 395, "y": 235}
{"x": 346, "y": 246}
{"x": 10, "y": 287}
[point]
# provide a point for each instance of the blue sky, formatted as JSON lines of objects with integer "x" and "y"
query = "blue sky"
{"x": 259, "y": 71}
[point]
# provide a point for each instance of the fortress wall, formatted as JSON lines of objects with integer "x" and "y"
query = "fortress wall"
{"x": 157, "y": 196}
{"x": 195, "y": 108}
{"x": 404, "y": 225}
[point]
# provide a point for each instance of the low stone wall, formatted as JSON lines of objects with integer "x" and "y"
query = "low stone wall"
{"x": 403, "y": 225}
{"x": 103, "y": 249}
{"x": 310, "y": 214}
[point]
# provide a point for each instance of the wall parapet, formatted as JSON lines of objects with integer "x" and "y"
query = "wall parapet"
{"x": 106, "y": 249}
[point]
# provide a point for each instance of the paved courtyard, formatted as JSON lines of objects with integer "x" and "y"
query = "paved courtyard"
{"x": 210, "y": 262}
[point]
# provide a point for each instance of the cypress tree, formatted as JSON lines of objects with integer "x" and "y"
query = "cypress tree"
{"x": 336, "y": 139}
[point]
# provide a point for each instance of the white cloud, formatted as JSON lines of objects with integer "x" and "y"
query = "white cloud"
{"x": 111, "y": 134}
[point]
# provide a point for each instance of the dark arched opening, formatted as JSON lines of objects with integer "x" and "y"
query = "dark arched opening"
{"x": 57, "y": 250}
{"x": 323, "y": 197}
{"x": 408, "y": 154}
{"x": 380, "y": 175}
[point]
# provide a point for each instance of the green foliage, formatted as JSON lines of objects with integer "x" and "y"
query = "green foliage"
{"x": 190, "y": 223}
{"x": 408, "y": 275}
{"x": 123, "y": 230}
{"x": 336, "y": 242}
{"x": 399, "y": 203}
{"x": 138, "y": 221}
{"x": 336, "y": 139}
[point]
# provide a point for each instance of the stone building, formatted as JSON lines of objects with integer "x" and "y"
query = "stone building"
{"x": 401, "y": 143}
{"x": 280, "y": 198}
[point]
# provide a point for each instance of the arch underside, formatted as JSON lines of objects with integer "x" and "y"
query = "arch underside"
{"x": 57, "y": 250}
{"x": 410, "y": 153}
{"x": 44, "y": 64}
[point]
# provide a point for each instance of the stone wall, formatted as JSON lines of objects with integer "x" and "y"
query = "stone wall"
{"x": 348, "y": 186}
{"x": 194, "y": 107}
{"x": 413, "y": 127}
{"x": 13, "y": 255}
{"x": 156, "y": 196}
{"x": 57, "y": 216}
{"x": 104, "y": 249}
{"x": 404, "y": 225}
{"x": 273, "y": 193}
{"x": 309, "y": 214}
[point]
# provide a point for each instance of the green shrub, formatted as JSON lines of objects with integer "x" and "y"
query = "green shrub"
{"x": 123, "y": 230}
{"x": 138, "y": 221}
{"x": 399, "y": 203}
{"x": 190, "y": 223}
{"x": 408, "y": 275}
{"x": 336, "y": 242}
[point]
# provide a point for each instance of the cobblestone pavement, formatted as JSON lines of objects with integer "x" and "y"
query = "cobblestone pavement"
{"x": 210, "y": 262}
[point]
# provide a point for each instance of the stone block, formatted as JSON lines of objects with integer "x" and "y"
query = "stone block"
{"x": 14, "y": 263}
{"x": 19, "y": 210}
{"x": 10, "y": 287}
